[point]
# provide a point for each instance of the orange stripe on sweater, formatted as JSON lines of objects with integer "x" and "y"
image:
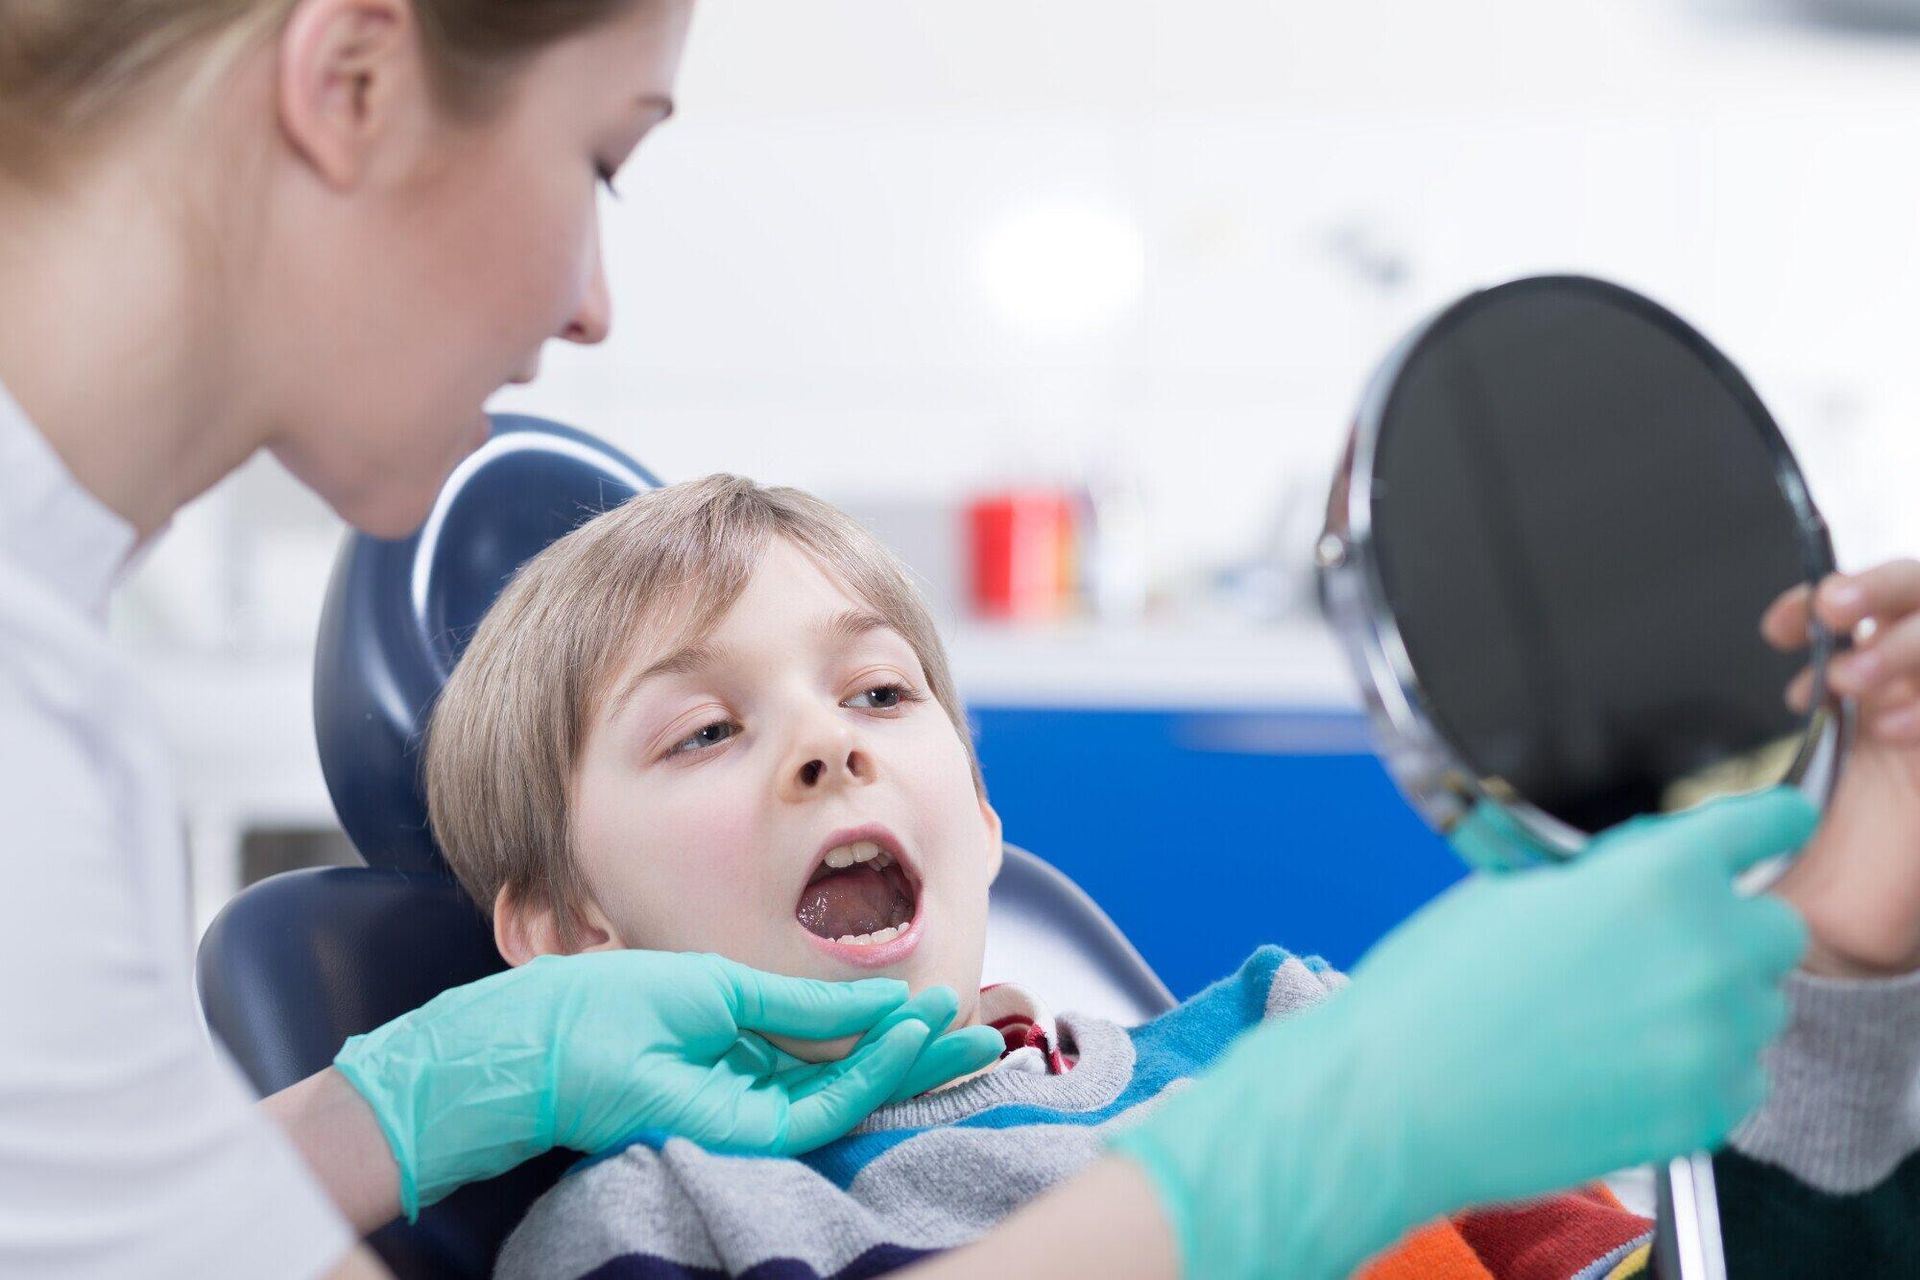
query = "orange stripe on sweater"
{"x": 1548, "y": 1239}
{"x": 1434, "y": 1252}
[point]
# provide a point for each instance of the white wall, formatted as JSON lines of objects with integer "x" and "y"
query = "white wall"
{"x": 796, "y": 261}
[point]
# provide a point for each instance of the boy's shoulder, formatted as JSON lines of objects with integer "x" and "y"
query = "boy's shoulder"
{"x": 1271, "y": 983}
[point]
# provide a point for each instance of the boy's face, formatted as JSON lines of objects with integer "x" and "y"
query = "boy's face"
{"x": 787, "y": 794}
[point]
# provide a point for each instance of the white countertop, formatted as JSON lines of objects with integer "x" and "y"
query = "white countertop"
{"x": 1153, "y": 665}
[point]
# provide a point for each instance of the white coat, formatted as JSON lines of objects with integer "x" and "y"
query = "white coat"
{"x": 127, "y": 1142}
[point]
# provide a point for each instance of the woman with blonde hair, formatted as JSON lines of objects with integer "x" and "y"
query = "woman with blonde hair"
{"x": 329, "y": 229}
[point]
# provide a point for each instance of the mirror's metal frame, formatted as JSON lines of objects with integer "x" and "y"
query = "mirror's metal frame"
{"x": 1435, "y": 776}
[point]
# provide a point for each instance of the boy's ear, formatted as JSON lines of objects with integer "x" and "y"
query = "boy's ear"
{"x": 528, "y": 926}
{"x": 996, "y": 854}
{"x": 350, "y": 71}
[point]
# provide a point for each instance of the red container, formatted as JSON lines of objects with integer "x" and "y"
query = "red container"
{"x": 1023, "y": 549}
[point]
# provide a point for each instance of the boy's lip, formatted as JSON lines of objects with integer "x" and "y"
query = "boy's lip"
{"x": 878, "y": 834}
{"x": 886, "y": 953}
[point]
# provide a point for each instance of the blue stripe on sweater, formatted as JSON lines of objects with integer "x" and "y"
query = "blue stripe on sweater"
{"x": 876, "y": 1261}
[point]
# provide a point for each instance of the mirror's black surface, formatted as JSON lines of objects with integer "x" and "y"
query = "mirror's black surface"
{"x": 1579, "y": 513}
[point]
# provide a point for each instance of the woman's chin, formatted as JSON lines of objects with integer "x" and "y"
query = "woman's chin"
{"x": 391, "y": 496}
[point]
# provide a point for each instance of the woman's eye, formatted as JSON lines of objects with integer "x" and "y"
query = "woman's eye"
{"x": 708, "y": 736}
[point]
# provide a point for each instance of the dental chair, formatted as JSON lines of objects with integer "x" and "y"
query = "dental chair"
{"x": 298, "y": 962}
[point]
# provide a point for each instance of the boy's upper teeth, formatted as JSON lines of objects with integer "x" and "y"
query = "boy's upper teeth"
{"x": 859, "y": 851}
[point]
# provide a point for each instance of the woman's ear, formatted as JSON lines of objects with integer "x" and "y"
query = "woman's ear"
{"x": 528, "y": 926}
{"x": 351, "y": 73}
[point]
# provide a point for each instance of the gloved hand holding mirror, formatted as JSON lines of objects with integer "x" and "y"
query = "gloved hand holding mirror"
{"x": 1560, "y": 521}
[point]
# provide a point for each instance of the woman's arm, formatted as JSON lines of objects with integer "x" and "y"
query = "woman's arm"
{"x": 1105, "y": 1222}
{"x": 333, "y": 1128}
{"x": 361, "y": 1264}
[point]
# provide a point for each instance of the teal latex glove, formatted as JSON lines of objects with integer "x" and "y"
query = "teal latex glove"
{"x": 1518, "y": 1035}
{"x": 948, "y": 1057}
{"x": 1487, "y": 839}
{"x": 584, "y": 1051}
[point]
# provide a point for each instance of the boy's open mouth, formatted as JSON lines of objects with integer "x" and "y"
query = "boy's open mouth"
{"x": 859, "y": 895}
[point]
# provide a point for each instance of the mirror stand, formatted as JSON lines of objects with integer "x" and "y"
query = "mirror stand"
{"x": 1686, "y": 1221}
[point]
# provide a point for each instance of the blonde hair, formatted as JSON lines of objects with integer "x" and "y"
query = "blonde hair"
{"x": 507, "y": 733}
{"x": 71, "y": 68}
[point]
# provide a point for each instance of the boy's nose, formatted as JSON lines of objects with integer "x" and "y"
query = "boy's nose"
{"x": 824, "y": 765}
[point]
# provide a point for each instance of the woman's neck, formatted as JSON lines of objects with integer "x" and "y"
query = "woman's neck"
{"x": 116, "y": 342}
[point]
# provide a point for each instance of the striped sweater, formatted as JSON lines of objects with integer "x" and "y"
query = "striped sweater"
{"x": 1823, "y": 1181}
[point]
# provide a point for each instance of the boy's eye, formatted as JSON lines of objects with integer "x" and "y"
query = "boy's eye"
{"x": 882, "y": 697}
{"x": 707, "y": 736}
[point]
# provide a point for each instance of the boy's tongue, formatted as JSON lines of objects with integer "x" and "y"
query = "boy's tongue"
{"x": 855, "y": 900}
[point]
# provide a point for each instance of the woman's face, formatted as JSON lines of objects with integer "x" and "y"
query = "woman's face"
{"x": 467, "y": 246}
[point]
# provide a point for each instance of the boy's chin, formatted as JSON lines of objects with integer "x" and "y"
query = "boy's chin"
{"x": 815, "y": 1050}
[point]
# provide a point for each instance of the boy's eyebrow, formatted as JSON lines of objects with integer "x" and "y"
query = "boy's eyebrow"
{"x": 845, "y": 627}
{"x": 683, "y": 661}
{"x": 854, "y": 623}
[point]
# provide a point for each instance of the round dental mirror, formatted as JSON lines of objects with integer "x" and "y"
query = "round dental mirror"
{"x": 1560, "y": 518}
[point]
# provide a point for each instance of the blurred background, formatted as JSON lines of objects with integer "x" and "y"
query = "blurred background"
{"x": 1073, "y": 302}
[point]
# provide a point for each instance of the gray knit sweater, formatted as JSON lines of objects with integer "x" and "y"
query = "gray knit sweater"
{"x": 942, "y": 1170}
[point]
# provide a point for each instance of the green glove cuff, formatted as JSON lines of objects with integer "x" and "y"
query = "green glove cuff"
{"x": 484, "y": 1121}
{"x": 399, "y": 1137}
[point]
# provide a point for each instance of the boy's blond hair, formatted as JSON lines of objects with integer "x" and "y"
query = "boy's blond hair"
{"x": 509, "y": 727}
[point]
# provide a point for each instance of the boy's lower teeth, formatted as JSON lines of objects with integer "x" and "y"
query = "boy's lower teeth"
{"x": 871, "y": 939}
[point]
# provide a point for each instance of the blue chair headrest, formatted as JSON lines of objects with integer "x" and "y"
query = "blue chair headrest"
{"x": 399, "y": 613}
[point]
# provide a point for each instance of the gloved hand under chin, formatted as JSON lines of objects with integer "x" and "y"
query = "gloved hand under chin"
{"x": 585, "y": 1051}
{"x": 1519, "y": 1035}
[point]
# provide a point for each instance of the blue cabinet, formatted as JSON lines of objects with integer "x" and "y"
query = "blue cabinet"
{"x": 1204, "y": 833}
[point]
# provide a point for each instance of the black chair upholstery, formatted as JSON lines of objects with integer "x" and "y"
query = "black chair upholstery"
{"x": 399, "y": 613}
{"x": 299, "y": 962}
{"x": 302, "y": 960}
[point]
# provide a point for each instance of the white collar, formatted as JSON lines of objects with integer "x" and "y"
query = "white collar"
{"x": 50, "y": 526}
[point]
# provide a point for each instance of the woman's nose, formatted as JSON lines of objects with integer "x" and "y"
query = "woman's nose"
{"x": 591, "y": 323}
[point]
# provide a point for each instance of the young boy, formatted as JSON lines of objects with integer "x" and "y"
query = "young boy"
{"x": 719, "y": 718}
